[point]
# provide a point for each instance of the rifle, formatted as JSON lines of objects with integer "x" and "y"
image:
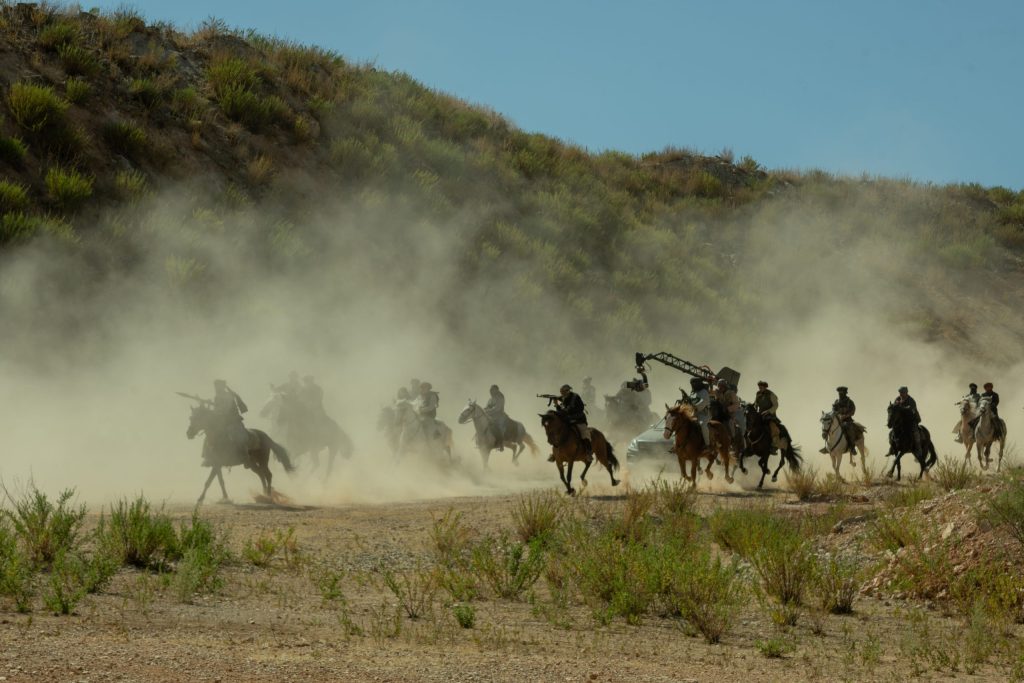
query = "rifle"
{"x": 202, "y": 401}
{"x": 550, "y": 397}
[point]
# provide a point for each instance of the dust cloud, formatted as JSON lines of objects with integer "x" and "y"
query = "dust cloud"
{"x": 95, "y": 351}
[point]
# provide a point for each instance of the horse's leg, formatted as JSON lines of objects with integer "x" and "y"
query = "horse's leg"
{"x": 561, "y": 475}
{"x": 568, "y": 478}
{"x": 583, "y": 474}
{"x": 485, "y": 456}
{"x": 782, "y": 461}
{"x": 762, "y": 461}
{"x": 220, "y": 480}
{"x": 999, "y": 463}
{"x": 209, "y": 480}
{"x": 332, "y": 453}
{"x": 517, "y": 449}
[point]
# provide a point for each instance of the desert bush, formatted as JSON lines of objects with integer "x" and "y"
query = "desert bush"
{"x": 909, "y": 496}
{"x": 125, "y": 137}
{"x": 187, "y": 102}
{"x": 78, "y": 60}
{"x": 139, "y": 536}
{"x": 13, "y": 196}
{"x": 893, "y": 530}
{"x": 352, "y": 156}
{"x": 451, "y": 539}
{"x": 741, "y": 529}
{"x": 952, "y": 474}
{"x": 17, "y": 576}
{"x": 465, "y": 615}
{"x": 36, "y": 108}
{"x": 57, "y": 34}
{"x": 76, "y": 90}
{"x": 249, "y": 108}
{"x": 68, "y": 188}
{"x": 260, "y": 170}
{"x": 673, "y": 498}
{"x": 773, "y": 648}
{"x": 415, "y": 591}
{"x": 131, "y": 184}
{"x": 508, "y": 568}
{"x": 66, "y": 584}
{"x": 17, "y": 227}
{"x": 784, "y": 563}
{"x": 12, "y": 150}
{"x": 836, "y": 585}
{"x": 707, "y": 593}
{"x": 266, "y": 547}
{"x": 147, "y": 91}
{"x": 1006, "y": 508}
{"x": 804, "y": 482}
{"x": 536, "y": 516}
{"x": 45, "y": 529}
{"x": 225, "y": 73}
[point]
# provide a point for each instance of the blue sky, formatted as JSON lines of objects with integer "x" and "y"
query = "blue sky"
{"x": 924, "y": 90}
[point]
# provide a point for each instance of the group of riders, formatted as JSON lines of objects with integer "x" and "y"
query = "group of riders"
{"x": 299, "y": 408}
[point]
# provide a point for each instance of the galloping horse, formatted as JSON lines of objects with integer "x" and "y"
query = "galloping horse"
{"x": 689, "y": 444}
{"x": 988, "y": 430}
{"x": 568, "y": 447}
{"x": 218, "y": 451}
{"x": 515, "y": 435}
{"x": 759, "y": 443}
{"x": 901, "y": 440}
{"x": 964, "y": 429}
{"x": 837, "y": 443}
{"x": 308, "y": 433}
{"x": 413, "y": 437}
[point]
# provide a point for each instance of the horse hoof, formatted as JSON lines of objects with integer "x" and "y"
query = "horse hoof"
{"x": 743, "y": 470}
{"x": 615, "y": 482}
{"x": 730, "y": 479}
{"x": 774, "y": 478}
{"x": 710, "y": 475}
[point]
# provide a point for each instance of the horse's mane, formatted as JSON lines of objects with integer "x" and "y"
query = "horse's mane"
{"x": 683, "y": 409}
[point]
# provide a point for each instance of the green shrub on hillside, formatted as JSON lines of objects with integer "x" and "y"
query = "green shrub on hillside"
{"x": 17, "y": 227}
{"x": 76, "y": 90}
{"x": 46, "y": 530}
{"x": 251, "y": 109}
{"x": 57, "y": 34}
{"x": 125, "y": 137}
{"x": 130, "y": 184}
{"x": 12, "y": 150}
{"x": 231, "y": 73}
{"x": 147, "y": 91}
{"x": 77, "y": 60}
{"x": 36, "y": 107}
{"x": 137, "y": 535}
{"x": 67, "y": 187}
{"x": 13, "y": 196}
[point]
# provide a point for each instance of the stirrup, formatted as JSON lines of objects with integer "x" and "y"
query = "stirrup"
{"x": 823, "y": 450}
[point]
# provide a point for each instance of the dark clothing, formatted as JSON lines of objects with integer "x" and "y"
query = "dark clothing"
{"x": 496, "y": 404}
{"x": 766, "y": 401}
{"x": 312, "y": 396}
{"x": 844, "y": 407}
{"x": 229, "y": 406}
{"x": 574, "y": 408}
{"x": 908, "y": 402}
{"x": 993, "y": 402}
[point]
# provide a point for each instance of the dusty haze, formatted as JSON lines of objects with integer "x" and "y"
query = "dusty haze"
{"x": 91, "y": 363}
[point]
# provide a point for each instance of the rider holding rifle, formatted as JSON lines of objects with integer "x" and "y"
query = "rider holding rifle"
{"x": 572, "y": 408}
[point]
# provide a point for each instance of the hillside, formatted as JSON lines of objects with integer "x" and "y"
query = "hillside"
{"x": 156, "y": 169}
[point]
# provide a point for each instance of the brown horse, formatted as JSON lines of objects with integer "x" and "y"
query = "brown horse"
{"x": 689, "y": 442}
{"x": 568, "y": 447}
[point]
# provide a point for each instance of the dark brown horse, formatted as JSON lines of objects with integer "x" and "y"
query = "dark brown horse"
{"x": 568, "y": 447}
{"x": 219, "y": 453}
{"x": 689, "y": 447}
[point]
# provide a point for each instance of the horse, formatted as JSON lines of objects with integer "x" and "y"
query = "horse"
{"x": 988, "y": 430}
{"x": 308, "y": 433}
{"x": 837, "y": 443}
{"x": 964, "y": 429}
{"x": 387, "y": 422}
{"x": 219, "y": 453}
{"x": 759, "y": 443}
{"x": 412, "y": 435}
{"x": 901, "y": 424}
{"x": 515, "y": 435}
{"x": 689, "y": 445}
{"x": 568, "y": 447}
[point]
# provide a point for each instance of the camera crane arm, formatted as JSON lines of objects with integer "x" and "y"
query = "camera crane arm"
{"x": 702, "y": 371}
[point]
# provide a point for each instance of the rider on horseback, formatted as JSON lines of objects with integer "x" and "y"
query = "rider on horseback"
{"x": 427, "y": 410}
{"x": 993, "y": 404}
{"x": 767, "y": 403}
{"x": 572, "y": 407}
{"x": 700, "y": 401}
{"x": 495, "y": 410}
{"x": 729, "y": 401}
{"x": 974, "y": 398}
{"x": 228, "y": 408}
{"x": 844, "y": 408}
{"x": 905, "y": 400}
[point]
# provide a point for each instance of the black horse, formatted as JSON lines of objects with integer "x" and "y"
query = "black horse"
{"x": 759, "y": 443}
{"x": 902, "y": 421}
{"x": 308, "y": 432}
{"x": 218, "y": 451}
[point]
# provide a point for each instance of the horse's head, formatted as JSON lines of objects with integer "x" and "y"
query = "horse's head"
{"x": 826, "y": 423}
{"x": 198, "y": 420}
{"x": 676, "y": 417}
{"x": 468, "y": 412}
{"x": 966, "y": 407}
{"x": 984, "y": 405}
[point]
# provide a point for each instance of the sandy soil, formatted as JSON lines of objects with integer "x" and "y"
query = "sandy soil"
{"x": 273, "y": 624}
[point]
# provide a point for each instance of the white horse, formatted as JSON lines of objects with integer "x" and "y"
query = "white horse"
{"x": 988, "y": 430}
{"x": 430, "y": 437}
{"x": 836, "y": 443}
{"x": 963, "y": 430}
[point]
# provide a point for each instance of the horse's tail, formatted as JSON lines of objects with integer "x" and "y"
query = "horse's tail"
{"x": 528, "y": 440}
{"x": 281, "y": 453}
{"x": 793, "y": 457}
{"x": 613, "y": 462}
